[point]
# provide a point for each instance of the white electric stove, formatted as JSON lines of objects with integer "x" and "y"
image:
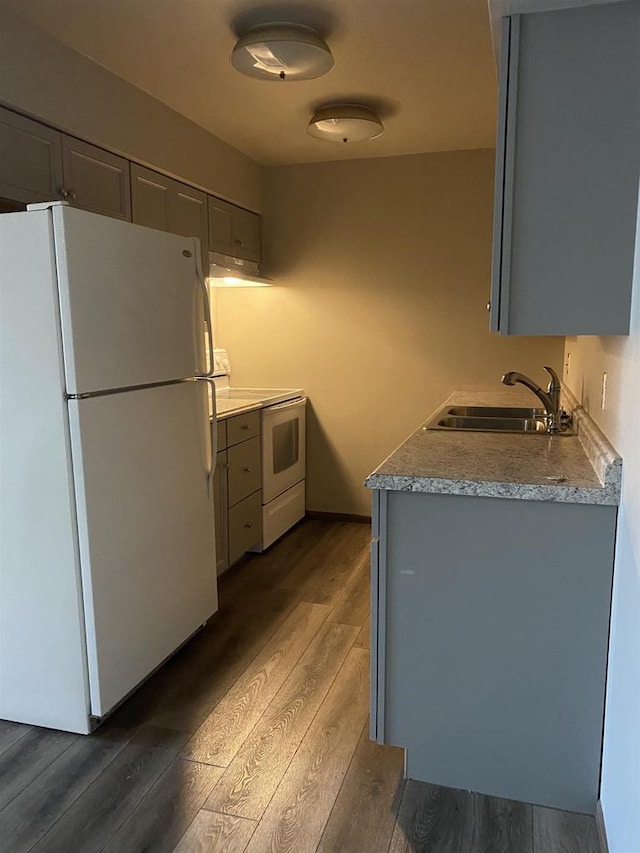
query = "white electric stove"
{"x": 283, "y": 423}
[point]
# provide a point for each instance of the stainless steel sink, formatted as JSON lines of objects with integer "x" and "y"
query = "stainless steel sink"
{"x": 491, "y": 424}
{"x": 495, "y": 412}
{"x": 493, "y": 419}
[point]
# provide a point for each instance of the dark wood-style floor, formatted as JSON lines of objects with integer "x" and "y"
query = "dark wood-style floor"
{"x": 255, "y": 737}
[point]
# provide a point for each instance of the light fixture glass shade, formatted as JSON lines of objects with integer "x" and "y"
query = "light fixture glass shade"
{"x": 345, "y": 123}
{"x": 282, "y": 51}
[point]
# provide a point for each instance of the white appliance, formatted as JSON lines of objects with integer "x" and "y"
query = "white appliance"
{"x": 283, "y": 423}
{"x": 283, "y": 467}
{"x": 106, "y": 512}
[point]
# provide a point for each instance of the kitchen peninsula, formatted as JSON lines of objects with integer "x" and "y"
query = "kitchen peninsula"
{"x": 492, "y": 563}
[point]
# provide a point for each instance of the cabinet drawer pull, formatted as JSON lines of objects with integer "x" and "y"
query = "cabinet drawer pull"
{"x": 249, "y": 525}
{"x": 244, "y": 426}
{"x": 246, "y": 469}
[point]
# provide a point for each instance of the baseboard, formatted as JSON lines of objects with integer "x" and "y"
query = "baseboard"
{"x": 601, "y": 829}
{"x": 338, "y": 516}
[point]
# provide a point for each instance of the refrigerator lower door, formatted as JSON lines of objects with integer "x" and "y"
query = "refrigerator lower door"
{"x": 142, "y": 470}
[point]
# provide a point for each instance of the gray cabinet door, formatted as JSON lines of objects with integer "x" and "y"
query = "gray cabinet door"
{"x": 493, "y": 645}
{"x": 221, "y": 226}
{"x": 247, "y": 235}
{"x": 160, "y": 202}
{"x": 233, "y": 230}
{"x": 95, "y": 179}
{"x": 188, "y": 215}
{"x": 150, "y": 198}
{"x": 245, "y": 471}
{"x": 568, "y": 157}
{"x": 30, "y": 159}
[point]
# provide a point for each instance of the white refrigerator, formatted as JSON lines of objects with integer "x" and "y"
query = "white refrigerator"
{"x": 107, "y": 551}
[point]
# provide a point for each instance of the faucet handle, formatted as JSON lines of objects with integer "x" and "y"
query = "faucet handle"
{"x": 554, "y": 385}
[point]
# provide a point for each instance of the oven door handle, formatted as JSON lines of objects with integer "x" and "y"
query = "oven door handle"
{"x": 290, "y": 404}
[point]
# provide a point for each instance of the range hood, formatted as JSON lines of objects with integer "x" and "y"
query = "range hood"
{"x": 227, "y": 271}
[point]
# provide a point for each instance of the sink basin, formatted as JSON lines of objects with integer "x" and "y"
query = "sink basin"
{"x": 490, "y": 424}
{"x": 493, "y": 419}
{"x": 494, "y": 412}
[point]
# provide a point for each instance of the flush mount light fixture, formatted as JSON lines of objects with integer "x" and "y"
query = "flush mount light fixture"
{"x": 282, "y": 51}
{"x": 345, "y": 123}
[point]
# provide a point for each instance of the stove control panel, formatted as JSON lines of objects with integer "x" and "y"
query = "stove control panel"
{"x": 221, "y": 363}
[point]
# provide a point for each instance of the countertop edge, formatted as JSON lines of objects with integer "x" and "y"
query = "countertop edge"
{"x": 489, "y": 489}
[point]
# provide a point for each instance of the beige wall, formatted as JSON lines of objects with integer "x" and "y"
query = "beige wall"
{"x": 383, "y": 276}
{"x": 49, "y": 81}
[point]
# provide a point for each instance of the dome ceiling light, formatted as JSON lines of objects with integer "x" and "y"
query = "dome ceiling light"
{"x": 282, "y": 51}
{"x": 345, "y": 123}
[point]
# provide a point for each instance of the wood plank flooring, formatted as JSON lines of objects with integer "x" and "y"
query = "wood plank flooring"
{"x": 254, "y": 737}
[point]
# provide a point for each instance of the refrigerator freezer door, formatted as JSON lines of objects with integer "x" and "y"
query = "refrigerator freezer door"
{"x": 130, "y": 300}
{"x": 145, "y": 518}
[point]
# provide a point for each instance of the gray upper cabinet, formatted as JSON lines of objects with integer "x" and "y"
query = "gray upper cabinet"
{"x": 188, "y": 215}
{"x": 95, "y": 179}
{"x": 160, "y": 202}
{"x": 150, "y": 198}
{"x": 568, "y": 157}
{"x": 30, "y": 159}
{"x": 233, "y": 230}
{"x": 39, "y": 164}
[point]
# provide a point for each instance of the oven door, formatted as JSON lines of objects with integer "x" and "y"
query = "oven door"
{"x": 283, "y": 447}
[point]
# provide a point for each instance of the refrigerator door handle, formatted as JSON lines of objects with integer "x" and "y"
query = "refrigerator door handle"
{"x": 207, "y": 307}
{"x": 213, "y": 434}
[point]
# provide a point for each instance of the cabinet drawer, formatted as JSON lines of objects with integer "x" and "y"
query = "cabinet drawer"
{"x": 244, "y": 469}
{"x": 245, "y": 526}
{"x": 242, "y": 427}
{"x": 222, "y": 434}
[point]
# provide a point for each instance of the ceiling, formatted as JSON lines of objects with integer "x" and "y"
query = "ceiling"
{"x": 426, "y": 65}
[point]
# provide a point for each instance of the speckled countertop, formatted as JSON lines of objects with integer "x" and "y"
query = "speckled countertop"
{"x": 506, "y": 465}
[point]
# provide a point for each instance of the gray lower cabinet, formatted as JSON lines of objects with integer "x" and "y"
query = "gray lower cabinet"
{"x": 244, "y": 526}
{"x": 238, "y": 488}
{"x": 244, "y": 470}
{"x": 567, "y": 162}
{"x": 160, "y": 202}
{"x": 95, "y": 179}
{"x": 233, "y": 230}
{"x": 489, "y": 642}
{"x": 30, "y": 159}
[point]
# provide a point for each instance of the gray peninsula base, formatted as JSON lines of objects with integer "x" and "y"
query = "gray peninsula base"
{"x": 490, "y": 643}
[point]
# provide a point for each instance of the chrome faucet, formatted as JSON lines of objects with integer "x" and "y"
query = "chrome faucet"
{"x": 550, "y": 398}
